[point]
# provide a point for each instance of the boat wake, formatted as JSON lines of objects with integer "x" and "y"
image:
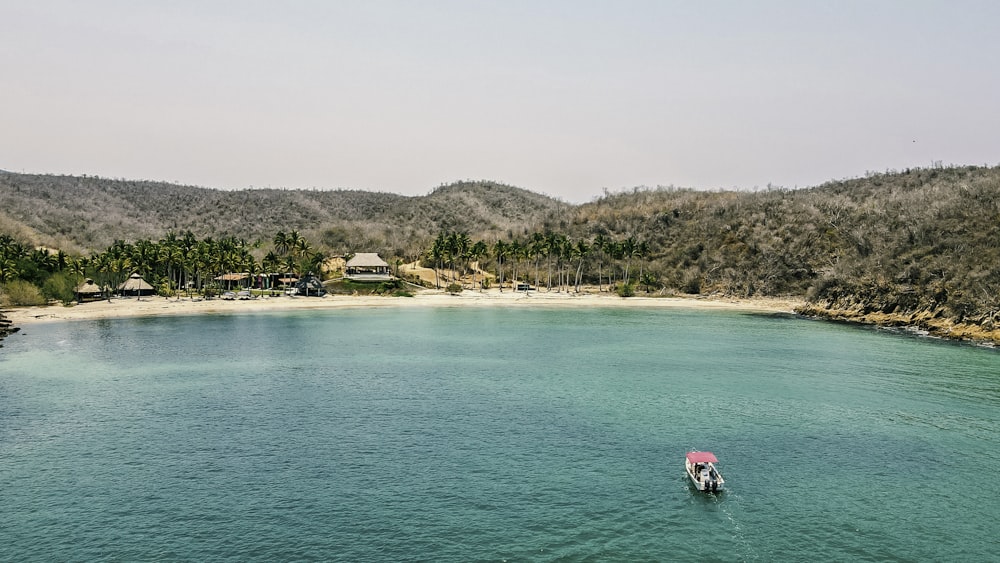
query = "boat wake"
{"x": 729, "y": 504}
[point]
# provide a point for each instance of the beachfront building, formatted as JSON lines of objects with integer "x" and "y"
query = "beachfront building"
{"x": 310, "y": 285}
{"x": 229, "y": 279}
{"x": 88, "y": 291}
{"x": 136, "y": 286}
{"x": 367, "y": 266}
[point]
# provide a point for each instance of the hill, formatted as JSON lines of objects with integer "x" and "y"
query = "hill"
{"x": 86, "y": 214}
{"x": 916, "y": 247}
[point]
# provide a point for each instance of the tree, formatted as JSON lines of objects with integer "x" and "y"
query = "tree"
{"x": 580, "y": 250}
{"x": 649, "y": 279}
{"x": 536, "y": 248}
{"x": 281, "y": 243}
{"x": 438, "y": 252}
{"x": 477, "y": 252}
{"x": 600, "y": 243}
{"x": 517, "y": 252}
{"x": 629, "y": 249}
{"x": 500, "y": 251}
{"x": 8, "y": 270}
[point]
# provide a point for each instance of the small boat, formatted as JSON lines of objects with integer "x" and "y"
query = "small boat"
{"x": 701, "y": 469}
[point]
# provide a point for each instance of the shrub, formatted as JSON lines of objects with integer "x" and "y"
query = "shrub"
{"x": 388, "y": 287}
{"x": 20, "y": 292}
{"x": 692, "y": 285}
{"x": 625, "y": 290}
{"x": 454, "y": 288}
{"x": 60, "y": 287}
{"x": 163, "y": 289}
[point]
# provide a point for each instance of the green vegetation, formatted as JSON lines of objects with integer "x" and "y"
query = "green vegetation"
{"x": 916, "y": 244}
{"x": 556, "y": 260}
{"x": 20, "y": 292}
{"x": 393, "y": 288}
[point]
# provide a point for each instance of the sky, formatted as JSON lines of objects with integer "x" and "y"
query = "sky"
{"x": 565, "y": 98}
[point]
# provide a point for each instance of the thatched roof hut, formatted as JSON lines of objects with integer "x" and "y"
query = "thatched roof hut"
{"x": 88, "y": 290}
{"x": 367, "y": 266}
{"x": 135, "y": 285}
{"x": 310, "y": 285}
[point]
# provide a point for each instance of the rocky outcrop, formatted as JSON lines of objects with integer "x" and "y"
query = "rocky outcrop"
{"x": 6, "y": 326}
{"x": 937, "y": 321}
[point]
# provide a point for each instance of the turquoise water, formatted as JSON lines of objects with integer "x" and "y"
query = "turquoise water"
{"x": 489, "y": 434}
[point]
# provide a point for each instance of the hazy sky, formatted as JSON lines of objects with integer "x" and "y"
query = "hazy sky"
{"x": 560, "y": 97}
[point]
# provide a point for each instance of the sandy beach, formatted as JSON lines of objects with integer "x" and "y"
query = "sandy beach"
{"x": 160, "y": 306}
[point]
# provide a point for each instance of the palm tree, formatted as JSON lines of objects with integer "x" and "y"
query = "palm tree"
{"x": 478, "y": 251}
{"x": 301, "y": 248}
{"x": 580, "y": 251}
{"x": 78, "y": 267}
{"x": 536, "y": 247}
{"x": 438, "y": 251}
{"x": 600, "y": 242}
{"x": 553, "y": 245}
{"x": 642, "y": 253}
{"x": 565, "y": 261}
{"x": 281, "y": 243}
{"x": 457, "y": 248}
{"x": 500, "y": 250}
{"x": 629, "y": 249}
{"x": 291, "y": 266}
{"x": 8, "y": 270}
{"x": 188, "y": 246}
{"x": 101, "y": 264}
{"x": 270, "y": 264}
{"x": 316, "y": 262}
{"x": 649, "y": 279}
{"x": 62, "y": 260}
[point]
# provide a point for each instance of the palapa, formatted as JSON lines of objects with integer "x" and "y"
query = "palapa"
{"x": 367, "y": 260}
{"x": 135, "y": 284}
{"x": 88, "y": 290}
{"x": 88, "y": 287}
{"x": 367, "y": 266}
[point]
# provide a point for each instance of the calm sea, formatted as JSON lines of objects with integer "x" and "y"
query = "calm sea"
{"x": 491, "y": 434}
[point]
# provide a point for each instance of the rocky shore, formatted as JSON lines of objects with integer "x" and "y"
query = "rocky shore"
{"x": 6, "y": 326}
{"x": 936, "y": 323}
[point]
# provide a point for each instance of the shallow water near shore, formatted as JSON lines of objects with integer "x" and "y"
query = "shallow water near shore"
{"x": 464, "y": 434}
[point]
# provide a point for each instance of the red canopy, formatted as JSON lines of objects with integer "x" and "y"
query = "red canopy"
{"x": 702, "y": 457}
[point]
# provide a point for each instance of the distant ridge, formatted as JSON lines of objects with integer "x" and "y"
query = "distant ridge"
{"x": 85, "y": 213}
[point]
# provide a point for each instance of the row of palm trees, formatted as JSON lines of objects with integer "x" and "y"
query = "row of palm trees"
{"x": 183, "y": 261}
{"x": 173, "y": 262}
{"x": 566, "y": 262}
{"x": 17, "y": 260}
{"x": 187, "y": 262}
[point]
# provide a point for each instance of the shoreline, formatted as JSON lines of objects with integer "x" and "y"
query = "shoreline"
{"x": 155, "y": 306}
{"x": 923, "y": 323}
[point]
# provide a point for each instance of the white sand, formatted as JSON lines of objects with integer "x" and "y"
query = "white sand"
{"x": 157, "y": 306}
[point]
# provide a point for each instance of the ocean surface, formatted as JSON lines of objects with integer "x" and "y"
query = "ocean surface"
{"x": 490, "y": 434}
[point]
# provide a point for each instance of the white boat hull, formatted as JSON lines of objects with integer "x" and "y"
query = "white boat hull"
{"x": 704, "y": 476}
